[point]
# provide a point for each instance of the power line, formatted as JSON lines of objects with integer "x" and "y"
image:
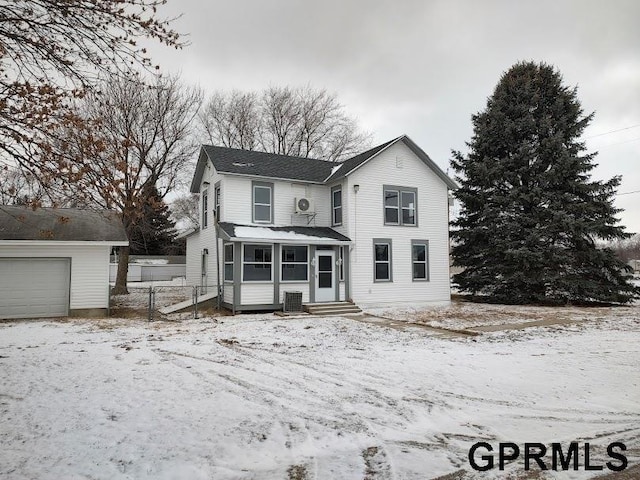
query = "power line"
{"x": 612, "y": 131}
{"x": 627, "y": 193}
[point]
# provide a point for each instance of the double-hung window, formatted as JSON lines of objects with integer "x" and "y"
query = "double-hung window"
{"x": 216, "y": 199}
{"x": 382, "y": 267}
{"x": 295, "y": 263}
{"x": 262, "y": 202}
{"x": 228, "y": 262}
{"x": 420, "y": 259}
{"x": 205, "y": 208}
{"x": 336, "y": 205}
{"x": 257, "y": 263}
{"x": 400, "y": 205}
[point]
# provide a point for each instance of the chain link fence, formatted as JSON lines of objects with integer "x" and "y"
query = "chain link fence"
{"x": 165, "y": 302}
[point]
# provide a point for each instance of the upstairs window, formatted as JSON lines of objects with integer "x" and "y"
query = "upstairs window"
{"x": 205, "y": 208}
{"x": 295, "y": 263}
{"x": 336, "y": 205}
{"x": 400, "y": 205}
{"x": 262, "y": 202}
{"x": 216, "y": 199}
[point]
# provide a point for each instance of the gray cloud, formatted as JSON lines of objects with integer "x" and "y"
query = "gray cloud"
{"x": 423, "y": 68}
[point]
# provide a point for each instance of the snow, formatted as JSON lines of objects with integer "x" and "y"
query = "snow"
{"x": 270, "y": 234}
{"x": 257, "y": 396}
{"x": 334, "y": 170}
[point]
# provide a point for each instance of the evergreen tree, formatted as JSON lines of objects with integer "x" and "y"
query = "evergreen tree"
{"x": 153, "y": 231}
{"x": 531, "y": 214}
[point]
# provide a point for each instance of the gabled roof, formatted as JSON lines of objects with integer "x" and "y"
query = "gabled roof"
{"x": 289, "y": 234}
{"x": 261, "y": 164}
{"x": 268, "y": 165}
{"x": 61, "y": 224}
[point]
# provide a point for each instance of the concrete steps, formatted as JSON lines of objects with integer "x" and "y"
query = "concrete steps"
{"x": 331, "y": 308}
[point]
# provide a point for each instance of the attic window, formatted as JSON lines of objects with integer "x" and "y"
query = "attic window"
{"x": 242, "y": 164}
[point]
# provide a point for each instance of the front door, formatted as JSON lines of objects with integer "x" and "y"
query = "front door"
{"x": 325, "y": 278}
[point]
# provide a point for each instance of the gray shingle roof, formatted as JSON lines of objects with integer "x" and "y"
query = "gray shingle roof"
{"x": 60, "y": 224}
{"x": 326, "y": 233}
{"x": 260, "y": 164}
{"x": 270, "y": 165}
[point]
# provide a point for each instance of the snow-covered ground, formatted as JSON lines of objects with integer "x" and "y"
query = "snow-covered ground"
{"x": 260, "y": 397}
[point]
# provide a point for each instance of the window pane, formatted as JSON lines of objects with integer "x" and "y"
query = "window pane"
{"x": 337, "y": 215}
{"x": 228, "y": 253}
{"x": 297, "y": 271}
{"x": 294, "y": 254}
{"x": 408, "y": 216}
{"x": 382, "y": 252}
{"x": 408, "y": 200}
{"x": 257, "y": 253}
{"x": 419, "y": 270}
{"x": 262, "y": 213}
{"x": 262, "y": 195}
{"x": 257, "y": 272}
{"x": 324, "y": 263}
{"x": 382, "y": 271}
{"x": 390, "y": 198}
{"x": 325, "y": 280}
{"x": 391, "y": 215}
{"x": 337, "y": 198}
{"x": 228, "y": 271}
{"x": 419, "y": 253}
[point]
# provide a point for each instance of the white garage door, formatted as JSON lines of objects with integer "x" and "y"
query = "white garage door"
{"x": 34, "y": 287}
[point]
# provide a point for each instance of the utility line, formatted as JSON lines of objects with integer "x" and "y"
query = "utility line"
{"x": 627, "y": 193}
{"x": 612, "y": 131}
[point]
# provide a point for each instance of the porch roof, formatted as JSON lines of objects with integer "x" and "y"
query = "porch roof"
{"x": 286, "y": 234}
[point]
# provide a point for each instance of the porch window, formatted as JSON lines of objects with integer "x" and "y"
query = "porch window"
{"x": 262, "y": 202}
{"x": 382, "y": 260}
{"x": 295, "y": 263}
{"x": 420, "y": 259}
{"x": 257, "y": 263}
{"x": 228, "y": 262}
{"x": 336, "y": 205}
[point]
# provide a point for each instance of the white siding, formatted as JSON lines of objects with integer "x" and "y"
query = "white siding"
{"x": 89, "y": 270}
{"x": 295, "y": 287}
{"x": 193, "y": 259}
{"x": 256, "y": 294}
{"x": 366, "y": 222}
{"x": 237, "y": 197}
{"x": 342, "y": 291}
{"x": 227, "y": 292}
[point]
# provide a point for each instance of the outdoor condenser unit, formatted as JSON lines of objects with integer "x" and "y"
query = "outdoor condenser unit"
{"x": 292, "y": 301}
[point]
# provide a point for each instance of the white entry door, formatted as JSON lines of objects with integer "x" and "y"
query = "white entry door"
{"x": 325, "y": 278}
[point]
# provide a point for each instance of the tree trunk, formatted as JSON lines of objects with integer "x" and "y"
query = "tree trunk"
{"x": 123, "y": 268}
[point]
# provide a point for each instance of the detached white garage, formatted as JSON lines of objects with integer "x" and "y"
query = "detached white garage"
{"x": 55, "y": 262}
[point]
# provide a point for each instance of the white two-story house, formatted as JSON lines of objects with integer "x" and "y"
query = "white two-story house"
{"x": 372, "y": 230}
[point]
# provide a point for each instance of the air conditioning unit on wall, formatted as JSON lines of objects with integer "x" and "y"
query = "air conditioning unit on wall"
{"x": 304, "y": 205}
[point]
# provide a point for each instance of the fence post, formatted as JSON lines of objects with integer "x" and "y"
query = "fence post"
{"x": 150, "y": 306}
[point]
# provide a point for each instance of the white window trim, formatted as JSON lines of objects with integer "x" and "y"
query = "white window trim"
{"x": 384, "y": 198}
{"x": 217, "y": 194}
{"x": 402, "y": 209}
{"x": 244, "y": 245}
{"x": 282, "y": 263}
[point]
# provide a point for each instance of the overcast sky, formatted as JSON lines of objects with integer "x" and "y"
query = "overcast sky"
{"x": 422, "y": 68}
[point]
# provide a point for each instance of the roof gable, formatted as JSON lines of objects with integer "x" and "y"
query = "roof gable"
{"x": 269, "y": 165}
{"x": 61, "y": 224}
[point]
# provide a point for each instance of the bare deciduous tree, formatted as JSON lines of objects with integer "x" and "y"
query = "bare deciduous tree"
{"x": 184, "y": 211}
{"x": 134, "y": 137}
{"x": 50, "y": 54}
{"x": 304, "y": 122}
